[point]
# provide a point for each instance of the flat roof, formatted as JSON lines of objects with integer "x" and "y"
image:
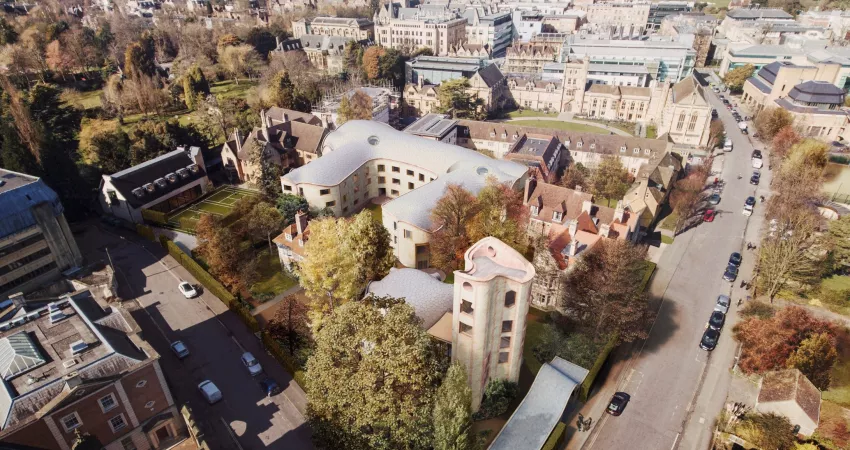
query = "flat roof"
{"x": 431, "y": 125}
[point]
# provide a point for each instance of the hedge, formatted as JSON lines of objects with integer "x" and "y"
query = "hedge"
{"x": 198, "y": 272}
{"x": 556, "y": 439}
{"x": 287, "y": 361}
{"x": 146, "y": 232}
{"x": 584, "y": 391}
{"x": 154, "y": 216}
{"x": 245, "y": 314}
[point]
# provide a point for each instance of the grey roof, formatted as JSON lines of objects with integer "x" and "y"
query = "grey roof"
{"x": 761, "y": 13}
{"x": 149, "y": 171}
{"x": 767, "y": 50}
{"x": 431, "y": 125}
{"x": 18, "y": 194}
{"x": 332, "y": 44}
{"x": 358, "y": 141}
{"x": 541, "y": 409}
{"x": 759, "y": 84}
{"x": 429, "y": 297}
{"x": 787, "y": 104}
{"x": 769, "y": 72}
{"x": 817, "y": 92}
{"x": 351, "y": 22}
{"x": 17, "y": 355}
{"x": 491, "y": 75}
{"x": 828, "y": 55}
{"x": 621, "y": 68}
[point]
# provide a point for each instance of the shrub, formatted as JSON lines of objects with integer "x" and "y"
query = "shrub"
{"x": 498, "y": 396}
{"x": 285, "y": 359}
{"x": 154, "y": 216}
{"x": 758, "y": 309}
{"x": 146, "y": 232}
{"x": 835, "y": 297}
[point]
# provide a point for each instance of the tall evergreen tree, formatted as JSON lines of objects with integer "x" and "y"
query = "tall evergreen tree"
{"x": 452, "y": 413}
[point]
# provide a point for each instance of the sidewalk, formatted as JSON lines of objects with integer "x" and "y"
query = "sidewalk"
{"x": 293, "y": 290}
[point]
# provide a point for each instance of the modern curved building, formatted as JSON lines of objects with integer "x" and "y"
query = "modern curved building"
{"x": 365, "y": 160}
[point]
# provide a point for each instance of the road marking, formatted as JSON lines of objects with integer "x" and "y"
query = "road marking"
{"x": 230, "y": 432}
{"x": 675, "y": 441}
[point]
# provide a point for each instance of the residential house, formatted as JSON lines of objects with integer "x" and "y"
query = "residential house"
{"x": 789, "y": 393}
{"x": 326, "y": 53}
{"x": 74, "y": 365}
{"x": 290, "y": 244}
{"x": 652, "y": 186}
{"x": 467, "y": 50}
{"x": 36, "y": 244}
{"x": 162, "y": 184}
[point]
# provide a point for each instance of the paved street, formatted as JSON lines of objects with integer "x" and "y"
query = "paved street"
{"x": 677, "y": 389}
{"x": 216, "y": 339}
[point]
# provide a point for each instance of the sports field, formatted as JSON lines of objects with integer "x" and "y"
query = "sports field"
{"x": 219, "y": 203}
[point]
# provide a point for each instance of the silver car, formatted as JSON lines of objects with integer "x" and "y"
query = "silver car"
{"x": 722, "y": 304}
{"x": 251, "y": 363}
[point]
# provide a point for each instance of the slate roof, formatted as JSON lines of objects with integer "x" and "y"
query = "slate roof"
{"x": 791, "y": 385}
{"x": 817, "y": 92}
{"x": 351, "y": 22}
{"x": 282, "y": 115}
{"x": 787, "y": 104}
{"x": 431, "y": 125}
{"x": 334, "y": 45}
{"x": 429, "y": 297}
{"x": 686, "y": 89}
{"x": 491, "y": 75}
{"x": 18, "y": 194}
{"x": 760, "y": 13}
{"x": 633, "y": 91}
{"x": 541, "y": 409}
{"x": 759, "y": 84}
{"x": 149, "y": 171}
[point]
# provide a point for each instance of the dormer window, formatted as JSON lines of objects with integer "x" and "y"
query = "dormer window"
{"x": 592, "y": 146}
{"x": 578, "y": 144}
{"x": 557, "y": 216}
{"x": 637, "y": 150}
{"x": 492, "y": 134}
{"x": 535, "y": 210}
{"x": 288, "y": 237}
{"x": 504, "y": 135}
{"x": 646, "y": 151}
{"x": 623, "y": 149}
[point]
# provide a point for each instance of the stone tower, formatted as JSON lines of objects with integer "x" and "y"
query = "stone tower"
{"x": 491, "y": 298}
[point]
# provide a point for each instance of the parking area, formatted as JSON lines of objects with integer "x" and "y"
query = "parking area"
{"x": 216, "y": 339}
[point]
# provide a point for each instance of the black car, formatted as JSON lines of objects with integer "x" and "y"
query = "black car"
{"x": 735, "y": 259}
{"x": 716, "y": 320}
{"x": 709, "y": 339}
{"x": 751, "y": 201}
{"x": 757, "y": 154}
{"x": 731, "y": 273}
{"x": 744, "y": 131}
{"x": 618, "y": 403}
{"x": 755, "y": 178}
{"x": 270, "y": 387}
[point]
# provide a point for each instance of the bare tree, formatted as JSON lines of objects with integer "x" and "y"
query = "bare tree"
{"x": 789, "y": 253}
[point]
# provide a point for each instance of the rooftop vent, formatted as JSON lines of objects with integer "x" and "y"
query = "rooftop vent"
{"x": 52, "y": 307}
{"x": 183, "y": 173}
{"x": 139, "y": 192}
{"x": 69, "y": 363}
{"x": 160, "y": 182}
{"x": 171, "y": 177}
{"x": 57, "y": 316}
{"x": 373, "y": 140}
{"x": 78, "y": 347}
{"x": 193, "y": 168}
{"x": 149, "y": 187}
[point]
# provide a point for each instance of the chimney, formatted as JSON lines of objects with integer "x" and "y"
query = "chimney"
{"x": 587, "y": 206}
{"x": 301, "y": 222}
{"x": 578, "y": 188}
{"x": 573, "y": 227}
{"x": 73, "y": 380}
{"x": 619, "y": 212}
{"x": 572, "y": 248}
{"x": 530, "y": 185}
{"x": 265, "y": 130}
{"x": 421, "y": 80}
{"x": 605, "y": 230}
{"x": 238, "y": 135}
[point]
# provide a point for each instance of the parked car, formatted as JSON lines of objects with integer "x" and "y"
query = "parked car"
{"x": 749, "y": 204}
{"x": 722, "y": 304}
{"x": 708, "y": 216}
{"x": 716, "y": 320}
{"x": 744, "y": 131}
{"x": 755, "y": 178}
{"x": 714, "y": 199}
{"x": 209, "y": 391}
{"x": 251, "y": 363}
{"x": 270, "y": 387}
{"x": 709, "y": 339}
{"x": 735, "y": 259}
{"x": 731, "y": 273}
{"x": 618, "y": 403}
{"x": 187, "y": 289}
{"x": 180, "y": 349}
{"x": 756, "y": 153}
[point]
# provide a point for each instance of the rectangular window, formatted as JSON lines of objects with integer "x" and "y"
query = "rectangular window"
{"x": 287, "y": 188}
{"x": 356, "y": 201}
{"x": 408, "y": 234}
{"x": 381, "y": 168}
{"x": 504, "y": 357}
{"x": 507, "y": 326}
{"x": 107, "y": 403}
{"x": 396, "y": 181}
{"x": 117, "y": 423}
{"x": 466, "y": 307}
{"x": 128, "y": 444}
{"x": 71, "y": 421}
{"x": 324, "y": 192}
{"x": 395, "y": 239}
{"x": 396, "y": 169}
{"x": 410, "y": 185}
{"x": 410, "y": 173}
{"x": 394, "y": 192}
{"x": 465, "y": 329}
{"x": 330, "y": 204}
{"x": 505, "y": 342}
{"x": 421, "y": 177}
{"x": 382, "y": 180}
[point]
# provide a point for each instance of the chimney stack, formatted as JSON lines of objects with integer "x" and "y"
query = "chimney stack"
{"x": 73, "y": 380}
{"x": 587, "y": 206}
{"x": 578, "y": 189}
{"x": 573, "y": 227}
{"x": 605, "y": 230}
{"x": 530, "y": 185}
{"x": 619, "y": 212}
{"x": 238, "y": 135}
{"x": 572, "y": 248}
{"x": 301, "y": 222}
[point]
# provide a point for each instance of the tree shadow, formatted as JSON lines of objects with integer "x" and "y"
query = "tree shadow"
{"x": 664, "y": 326}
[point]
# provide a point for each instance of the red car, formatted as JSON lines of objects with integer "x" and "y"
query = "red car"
{"x": 709, "y": 215}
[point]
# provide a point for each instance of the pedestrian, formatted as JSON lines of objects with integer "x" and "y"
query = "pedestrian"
{"x": 743, "y": 283}
{"x": 761, "y": 197}
{"x": 580, "y": 422}
{"x": 740, "y": 300}
{"x": 588, "y": 423}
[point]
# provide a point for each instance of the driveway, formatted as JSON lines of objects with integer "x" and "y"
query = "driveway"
{"x": 676, "y": 388}
{"x": 216, "y": 338}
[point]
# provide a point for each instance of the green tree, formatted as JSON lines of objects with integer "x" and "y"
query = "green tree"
{"x": 736, "y": 77}
{"x": 449, "y": 218}
{"x": 370, "y": 242}
{"x": 105, "y": 145}
{"x": 353, "y": 56}
{"x": 452, "y": 413}
{"x": 194, "y": 83}
{"x": 15, "y": 155}
{"x": 265, "y": 220}
{"x": 239, "y": 60}
{"x": 356, "y": 107}
{"x": 455, "y": 98}
{"x": 838, "y": 238}
{"x": 281, "y": 91}
{"x": 8, "y": 35}
{"x": 289, "y": 205}
{"x": 770, "y": 121}
{"x": 501, "y": 214}
{"x": 767, "y": 430}
{"x": 575, "y": 175}
{"x": 373, "y": 376}
{"x": 139, "y": 57}
{"x": 262, "y": 40}
{"x": 289, "y": 323}
{"x": 610, "y": 180}
{"x": 268, "y": 181}
{"x": 391, "y": 66}
{"x": 815, "y": 357}
{"x": 498, "y": 396}
{"x": 152, "y": 138}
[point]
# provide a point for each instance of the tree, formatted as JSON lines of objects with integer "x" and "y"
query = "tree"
{"x": 782, "y": 142}
{"x": 264, "y": 220}
{"x": 736, "y": 77}
{"x": 767, "y": 343}
{"x": 716, "y": 132}
{"x": 262, "y": 40}
{"x": 838, "y": 238}
{"x": 455, "y": 98}
{"x": 687, "y": 194}
{"x": 370, "y": 242}
{"x": 194, "y": 83}
{"x": 576, "y": 175}
{"x": 289, "y": 205}
{"x": 452, "y": 414}
{"x": 152, "y": 138}
{"x": 356, "y": 107}
{"x": 767, "y": 430}
{"x": 8, "y": 35}
{"x": 239, "y": 60}
{"x": 268, "y": 180}
{"x": 228, "y": 40}
{"x": 449, "y": 218}
{"x": 372, "y": 377}
{"x": 798, "y": 183}
{"x": 281, "y": 91}
{"x": 391, "y": 65}
{"x": 289, "y": 323}
{"x": 610, "y": 180}
{"x": 786, "y": 254}
{"x": 605, "y": 291}
{"x": 815, "y": 358}
{"x": 139, "y": 59}
{"x": 57, "y": 59}
{"x": 770, "y": 121}
{"x": 353, "y": 56}
{"x": 498, "y": 396}
{"x": 501, "y": 214}
{"x": 105, "y": 145}
{"x": 220, "y": 249}
{"x": 371, "y": 61}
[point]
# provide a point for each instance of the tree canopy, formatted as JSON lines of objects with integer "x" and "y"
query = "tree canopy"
{"x": 610, "y": 180}
{"x": 356, "y": 107}
{"x": 455, "y": 98}
{"x": 736, "y": 77}
{"x": 452, "y": 414}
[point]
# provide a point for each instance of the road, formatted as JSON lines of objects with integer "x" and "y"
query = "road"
{"x": 216, "y": 338}
{"x": 676, "y": 388}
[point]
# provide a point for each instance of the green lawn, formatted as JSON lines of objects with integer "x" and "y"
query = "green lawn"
{"x": 627, "y": 127}
{"x": 565, "y": 126}
{"x": 836, "y": 282}
{"x": 450, "y": 278}
{"x": 666, "y": 239}
{"x": 229, "y": 89}
{"x": 651, "y": 132}
{"x": 219, "y": 203}
{"x": 377, "y": 214}
{"x": 529, "y": 113}
{"x": 84, "y": 100}
{"x": 272, "y": 279}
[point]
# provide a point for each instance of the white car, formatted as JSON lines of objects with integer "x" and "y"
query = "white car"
{"x": 722, "y": 304}
{"x": 187, "y": 289}
{"x": 209, "y": 391}
{"x": 180, "y": 349}
{"x": 251, "y": 363}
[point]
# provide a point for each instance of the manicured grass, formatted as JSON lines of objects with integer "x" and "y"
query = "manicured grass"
{"x": 836, "y": 282}
{"x": 530, "y": 113}
{"x": 377, "y": 213}
{"x": 669, "y": 222}
{"x": 651, "y": 132}
{"x": 85, "y": 100}
{"x": 565, "y": 126}
{"x": 229, "y": 89}
{"x": 450, "y": 278}
{"x": 272, "y": 279}
{"x": 666, "y": 239}
{"x": 627, "y": 127}
{"x": 220, "y": 203}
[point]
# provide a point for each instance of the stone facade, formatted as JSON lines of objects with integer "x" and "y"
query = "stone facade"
{"x": 529, "y": 58}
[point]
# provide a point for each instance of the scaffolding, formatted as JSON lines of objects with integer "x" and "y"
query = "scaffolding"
{"x": 386, "y": 100}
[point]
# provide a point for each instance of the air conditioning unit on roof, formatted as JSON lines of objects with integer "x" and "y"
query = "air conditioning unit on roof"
{"x": 149, "y": 187}
{"x": 160, "y": 182}
{"x": 138, "y": 192}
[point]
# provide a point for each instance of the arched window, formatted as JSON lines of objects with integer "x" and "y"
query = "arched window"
{"x": 693, "y": 124}
{"x": 681, "y": 121}
{"x": 510, "y": 299}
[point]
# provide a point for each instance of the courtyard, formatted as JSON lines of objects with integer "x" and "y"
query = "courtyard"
{"x": 219, "y": 203}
